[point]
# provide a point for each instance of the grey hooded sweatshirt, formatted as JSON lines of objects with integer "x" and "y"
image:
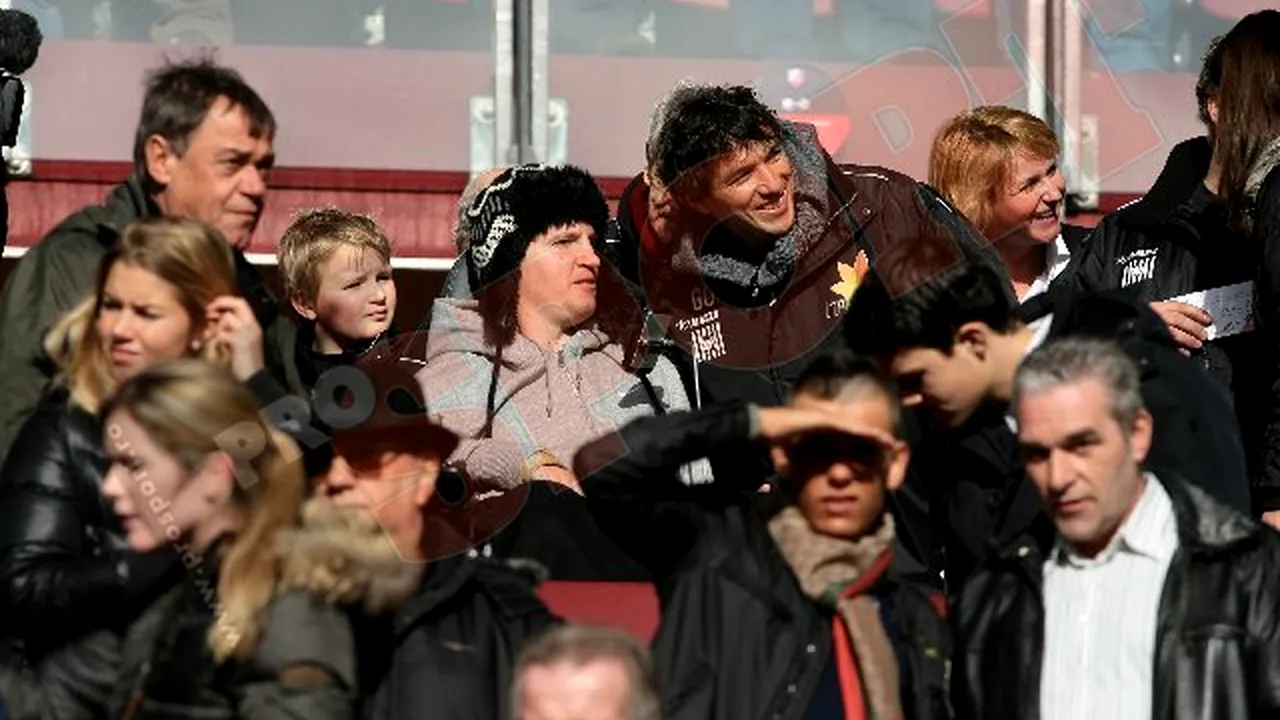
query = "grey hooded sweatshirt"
{"x": 546, "y": 400}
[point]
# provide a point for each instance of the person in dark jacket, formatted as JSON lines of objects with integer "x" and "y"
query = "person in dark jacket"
{"x": 1139, "y": 596}
{"x": 164, "y": 291}
{"x": 780, "y": 604}
{"x": 1247, "y": 148}
{"x": 951, "y": 337}
{"x": 747, "y": 241}
{"x": 452, "y": 643}
{"x": 1161, "y": 244}
{"x": 225, "y": 642}
{"x": 202, "y": 150}
{"x": 336, "y": 270}
{"x": 1168, "y": 245}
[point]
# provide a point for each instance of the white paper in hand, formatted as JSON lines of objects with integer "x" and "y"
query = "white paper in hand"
{"x": 1231, "y": 307}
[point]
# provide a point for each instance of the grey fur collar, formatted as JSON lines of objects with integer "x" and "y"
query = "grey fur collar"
{"x": 1267, "y": 161}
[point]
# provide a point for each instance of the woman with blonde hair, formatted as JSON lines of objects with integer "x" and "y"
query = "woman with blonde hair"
{"x": 195, "y": 467}
{"x": 999, "y": 167}
{"x": 166, "y": 290}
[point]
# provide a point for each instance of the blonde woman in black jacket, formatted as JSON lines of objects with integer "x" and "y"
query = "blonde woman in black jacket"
{"x": 194, "y": 467}
{"x": 166, "y": 290}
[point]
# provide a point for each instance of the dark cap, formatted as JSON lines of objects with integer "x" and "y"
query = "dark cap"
{"x": 522, "y": 203}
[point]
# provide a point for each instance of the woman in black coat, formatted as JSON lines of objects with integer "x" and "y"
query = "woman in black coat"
{"x": 166, "y": 290}
{"x": 1247, "y": 146}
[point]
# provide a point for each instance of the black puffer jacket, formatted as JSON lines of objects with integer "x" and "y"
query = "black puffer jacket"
{"x": 1217, "y": 649}
{"x": 738, "y": 638}
{"x": 64, "y": 568}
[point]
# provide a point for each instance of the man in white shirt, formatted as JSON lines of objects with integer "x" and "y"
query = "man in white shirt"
{"x": 1142, "y": 598}
{"x": 953, "y": 341}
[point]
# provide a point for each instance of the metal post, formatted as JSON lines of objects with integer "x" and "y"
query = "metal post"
{"x": 1037, "y": 67}
{"x": 522, "y": 87}
{"x": 539, "y": 112}
{"x": 1078, "y": 133}
{"x": 504, "y": 138}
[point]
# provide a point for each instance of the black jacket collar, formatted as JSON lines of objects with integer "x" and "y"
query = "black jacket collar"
{"x": 1206, "y": 527}
{"x": 445, "y": 581}
{"x": 1183, "y": 172}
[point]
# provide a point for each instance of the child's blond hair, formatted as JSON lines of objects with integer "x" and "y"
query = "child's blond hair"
{"x": 313, "y": 237}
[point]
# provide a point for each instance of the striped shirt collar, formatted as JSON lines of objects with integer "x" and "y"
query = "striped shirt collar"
{"x": 1150, "y": 531}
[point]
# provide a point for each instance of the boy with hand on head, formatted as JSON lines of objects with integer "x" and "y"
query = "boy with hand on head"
{"x": 336, "y": 270}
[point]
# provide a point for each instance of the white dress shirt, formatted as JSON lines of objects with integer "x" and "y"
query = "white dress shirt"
{"x": 1040, "y": 333}
{"x": 1056, "y": 258}
{"x": 1100, "y": 618}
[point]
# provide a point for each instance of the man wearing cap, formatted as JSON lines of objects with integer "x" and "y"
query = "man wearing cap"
{"x": 778, "y": 604}
{"x": 451, "y": 646}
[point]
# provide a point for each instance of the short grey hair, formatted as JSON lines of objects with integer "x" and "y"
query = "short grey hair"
{"x": 583, "y": 644}
{"x": 1074, "y": 359}
{"x": 462, "y": 224}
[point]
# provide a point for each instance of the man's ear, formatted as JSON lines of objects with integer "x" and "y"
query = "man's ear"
{"x": 425, "y": 487}
{"x": 1212, "y": 106}
{"x": 1140, "y": 435}
{"x": 975, "y": 338}
{"x": 160, "y": 158}
{"x": 899, "y": 460}
{"x": 302, "y": 307}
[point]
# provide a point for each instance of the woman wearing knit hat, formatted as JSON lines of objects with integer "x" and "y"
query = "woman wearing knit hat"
{"x": 536, "y": 364}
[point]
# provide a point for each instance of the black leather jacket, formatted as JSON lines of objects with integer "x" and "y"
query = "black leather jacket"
{"x": 1217, "y": 649}
{"x": 738, "y": 638}
{"x": 63, "y": 564}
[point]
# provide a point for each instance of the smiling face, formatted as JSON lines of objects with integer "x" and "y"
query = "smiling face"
{"x": 355, "y": 301}
{"x": 141, "y": 321}
{"x": 842, "y": 481}
{"x": 1083, "y": 462}
{"x": 557, "y": 287}
{"x": 220, "y": 178}
{"x": 1029, "y": 206}
{"x": 753, "y": 190}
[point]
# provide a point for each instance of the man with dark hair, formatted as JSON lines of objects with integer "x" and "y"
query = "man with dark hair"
{"x": 747, "y": 241}
{"x": 1140, "y": 596}
{"x": 953, "y": 341}
{"x": 787, "y": 603}
{"x": 1164, "y": 246}
{"x": 202, "y": 150}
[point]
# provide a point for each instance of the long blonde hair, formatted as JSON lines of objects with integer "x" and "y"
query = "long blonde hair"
{"x": 190, "y": 256}
{"x": 192, "y": 408}
{"x": 973, "y": 153}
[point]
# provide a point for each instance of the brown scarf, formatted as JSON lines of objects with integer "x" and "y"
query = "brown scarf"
{"x": 837, "y": 573}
